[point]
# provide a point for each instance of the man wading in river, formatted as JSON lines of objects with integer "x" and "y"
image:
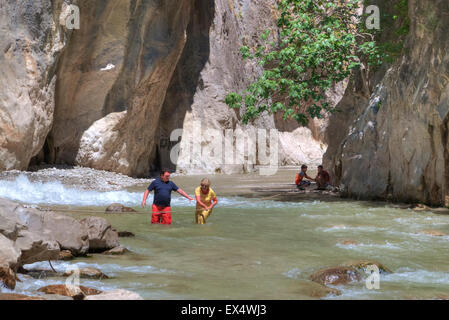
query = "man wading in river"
{"x": 162, "y": 197}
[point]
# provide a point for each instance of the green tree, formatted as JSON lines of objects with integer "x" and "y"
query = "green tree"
{"x": 320, "y": 43}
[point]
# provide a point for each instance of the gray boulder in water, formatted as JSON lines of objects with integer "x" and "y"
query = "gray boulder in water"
{"x": 101, "y": 235}
{"x": 118, "y": 208}
{"x": 67, "y": 232}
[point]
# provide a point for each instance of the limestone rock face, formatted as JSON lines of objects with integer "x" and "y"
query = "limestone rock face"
{"x": 112, "y": 82}
{"x": 394, "y": 144}
{"x": 209, "y": 68}
{"x": 109, "y": 95}
{"x": 30, "y": 42}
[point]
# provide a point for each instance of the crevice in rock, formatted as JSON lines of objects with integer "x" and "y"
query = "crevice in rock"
{"x": 445, "y": 143}
{"x": 184, "y": 83}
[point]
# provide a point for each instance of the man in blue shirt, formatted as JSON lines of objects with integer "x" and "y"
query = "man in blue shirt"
{"x": 162, "y": 197}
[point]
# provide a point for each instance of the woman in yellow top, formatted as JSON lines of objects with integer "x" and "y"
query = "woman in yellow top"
{"x": 204, "y": 197}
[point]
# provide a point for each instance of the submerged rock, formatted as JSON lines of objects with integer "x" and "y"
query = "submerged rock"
{"x": 65, "y": 255}
{"x": 316, "y": 290}
{"x": 125, "y": 234}
{"x": 340, "y": 275}
{"x": 349, "y": 242}
{"x": 118, "y": 208}
{"x": 435, "y": 233}
{"x": 117, "y": 251}
{"x": 88, "y": 273}
{"x": 118, "y": 294}
{"x": 77, "y": 293}
{"x": 42, "y": 273}
{"x": 100, "y": 234}
{"x": 363, "y": 264}
{"x": 421, "y": 207}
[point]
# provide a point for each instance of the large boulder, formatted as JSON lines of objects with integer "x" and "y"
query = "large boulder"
{"x": 100, "y": 234}
{"x": 9, "y": 254}
{"x": 19, "y": 245}
{"x": 118, "y": 294}
{"x": 68, "y": 232}
{"x": 34, "y": 248}
{"x": 44, "y": 225}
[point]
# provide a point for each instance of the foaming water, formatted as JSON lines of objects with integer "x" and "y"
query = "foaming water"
{"x": 55, "y": 193}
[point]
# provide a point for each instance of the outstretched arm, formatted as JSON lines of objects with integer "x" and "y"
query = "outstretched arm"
{"x": 145, "y": 196}
{"x": 185, "y": 195}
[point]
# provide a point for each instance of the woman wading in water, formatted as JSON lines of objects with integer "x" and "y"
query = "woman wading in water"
{"x": 204, "y": 197}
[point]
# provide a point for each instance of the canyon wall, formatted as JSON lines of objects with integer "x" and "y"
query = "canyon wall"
{"x": 109, "y": 94}
{"x": 30, "y": 42}
{"x": 394, "y": 144}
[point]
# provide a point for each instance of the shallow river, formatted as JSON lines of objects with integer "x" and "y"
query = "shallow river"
{"x": 252, "y": 248}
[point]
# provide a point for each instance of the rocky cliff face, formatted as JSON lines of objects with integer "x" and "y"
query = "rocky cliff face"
{"x": 394, "y": 144}
{"x": 30, "y": 42}
{"x": 108, "y": 95}
{"x": 211, "y": 67}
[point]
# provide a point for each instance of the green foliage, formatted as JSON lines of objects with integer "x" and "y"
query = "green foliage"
{"x": 319, "y": 46}
{"x": 398, "y": 21}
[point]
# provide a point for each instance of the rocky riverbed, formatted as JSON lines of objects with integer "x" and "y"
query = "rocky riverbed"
{"x": 30, "y": 235}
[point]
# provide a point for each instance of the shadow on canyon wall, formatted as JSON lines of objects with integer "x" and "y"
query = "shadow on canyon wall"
{"x": 184, "y": 84}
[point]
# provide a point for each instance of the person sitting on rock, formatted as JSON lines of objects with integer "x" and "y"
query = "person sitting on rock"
{"x": 204, "y": 197}
{"x": 163, "y": 188}
{"x": 300, "y": 182}
{"x": 322, "y": 179}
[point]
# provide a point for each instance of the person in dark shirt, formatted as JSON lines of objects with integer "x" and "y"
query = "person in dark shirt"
{"x": 163, "y": 188}
{"x": 322, "y": 179}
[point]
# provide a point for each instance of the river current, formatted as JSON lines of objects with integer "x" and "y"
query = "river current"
{"x": 250, "y": 248}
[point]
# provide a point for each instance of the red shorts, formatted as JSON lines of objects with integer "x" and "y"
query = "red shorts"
{"x": 161, "y": 215}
